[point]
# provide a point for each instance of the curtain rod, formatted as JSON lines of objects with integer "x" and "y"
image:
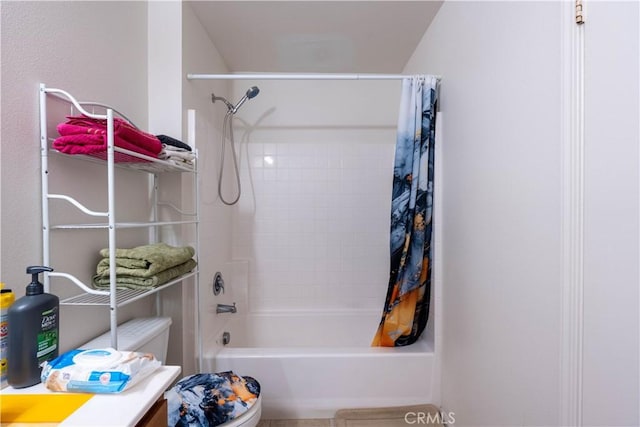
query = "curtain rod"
{"x": 303, "y": 76}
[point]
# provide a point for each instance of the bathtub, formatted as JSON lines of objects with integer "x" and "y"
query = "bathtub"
{"x": 311, "y": 365}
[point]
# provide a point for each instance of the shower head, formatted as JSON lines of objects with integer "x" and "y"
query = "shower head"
{"x": 252, "y": 92}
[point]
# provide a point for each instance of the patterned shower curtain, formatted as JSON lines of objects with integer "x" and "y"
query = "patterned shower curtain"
{"x": 406, "y": 308}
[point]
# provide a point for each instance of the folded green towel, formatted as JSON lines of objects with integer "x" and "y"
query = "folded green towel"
{"x": 132, "y": 282}
{"x": 145, "y": 261}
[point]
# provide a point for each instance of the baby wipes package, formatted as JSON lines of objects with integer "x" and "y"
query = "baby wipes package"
{"x": 97, "y": 370}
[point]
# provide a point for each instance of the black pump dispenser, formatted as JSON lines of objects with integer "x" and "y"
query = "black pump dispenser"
{"x": 33, "y": 332}
{"x": 35, "y": 287}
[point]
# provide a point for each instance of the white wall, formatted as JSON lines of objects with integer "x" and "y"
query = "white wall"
{"x": 313, "y": 220}
{"x": 178, "y": 45}
{"x": 134, "y": 57}
{"x": 500, "y": 63}
{"x": 502, "y": 203}
{"x": 165, "y": 29}
{"x": 199, "y": 55}
{"x": 97, "y": 51}
{"x": 611, "y": 346}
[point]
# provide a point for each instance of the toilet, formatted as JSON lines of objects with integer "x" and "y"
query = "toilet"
{"x": 151, "y": 335}
{"x": 144, "y": 335}
{"x": 222, "y": 399}
{"x": 251, "y": 418}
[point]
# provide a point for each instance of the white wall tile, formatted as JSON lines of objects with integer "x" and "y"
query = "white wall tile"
{"x": 319, "y": 236}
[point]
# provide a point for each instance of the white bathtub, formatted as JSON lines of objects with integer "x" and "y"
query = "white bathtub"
{"x": 311, "y": 365}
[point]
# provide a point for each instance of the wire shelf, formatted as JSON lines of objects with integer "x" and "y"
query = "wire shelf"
{"x": 123, "y": 296}
{"x": 120, "y": 225}
{"x": 109, "y": 160}
{"x": 130, "y": 160}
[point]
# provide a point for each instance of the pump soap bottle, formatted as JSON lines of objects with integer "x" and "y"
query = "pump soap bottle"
{"x": 33, "y": 332}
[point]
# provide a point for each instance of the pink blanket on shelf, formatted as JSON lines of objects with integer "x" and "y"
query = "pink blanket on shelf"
{"x": 83, "y": 135}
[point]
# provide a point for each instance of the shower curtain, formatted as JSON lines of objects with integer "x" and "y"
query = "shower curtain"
{"x": 406, "y": 308}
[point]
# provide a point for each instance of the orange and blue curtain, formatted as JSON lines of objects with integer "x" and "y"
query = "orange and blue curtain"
{"x": 406, "y": 308}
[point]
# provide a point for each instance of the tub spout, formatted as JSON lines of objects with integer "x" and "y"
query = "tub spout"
{"x": 225, "y": 308}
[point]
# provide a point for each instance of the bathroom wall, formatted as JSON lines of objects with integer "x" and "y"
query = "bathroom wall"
{"x": 177, "y": 42}
{"x": 148, "y": 56}
{"x": 215, "y": 217}
{"x": 165, "y": 33}
{"x": 612, "y": 198}
{"x": 502, "y": 208}
{"x": 96, "y": 51}
{"x": 313, "y": 220}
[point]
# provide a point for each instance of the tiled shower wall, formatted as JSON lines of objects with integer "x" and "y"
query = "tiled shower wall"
{"x": 313, "y": 219}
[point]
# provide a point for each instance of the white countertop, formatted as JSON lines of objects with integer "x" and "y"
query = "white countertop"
{"x": 114, "y": 410}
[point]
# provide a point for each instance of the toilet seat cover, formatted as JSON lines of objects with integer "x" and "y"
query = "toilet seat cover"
{"x": 207, "y": 400}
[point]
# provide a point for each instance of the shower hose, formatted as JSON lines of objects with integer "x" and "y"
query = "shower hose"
{"x": 227, "y": 123}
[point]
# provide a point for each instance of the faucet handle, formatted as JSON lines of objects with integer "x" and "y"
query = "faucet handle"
{"x": 218, "y": 283}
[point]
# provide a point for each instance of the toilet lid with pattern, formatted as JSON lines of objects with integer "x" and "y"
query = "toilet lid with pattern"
{"x": 208, "y": 400}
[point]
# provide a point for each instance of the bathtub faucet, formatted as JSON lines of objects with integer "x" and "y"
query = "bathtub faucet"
{"x": 225, "y": 308}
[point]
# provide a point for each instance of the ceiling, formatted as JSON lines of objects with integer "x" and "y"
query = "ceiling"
{"x": 316, "y": 36}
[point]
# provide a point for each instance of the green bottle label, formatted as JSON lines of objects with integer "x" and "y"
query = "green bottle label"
{"x": 48, "y": 336}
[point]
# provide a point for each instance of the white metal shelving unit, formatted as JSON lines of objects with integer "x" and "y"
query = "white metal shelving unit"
{"x": 113, "y": 298}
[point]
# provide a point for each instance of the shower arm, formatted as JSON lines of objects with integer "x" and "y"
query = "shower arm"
{"x": 215, "y": 98}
